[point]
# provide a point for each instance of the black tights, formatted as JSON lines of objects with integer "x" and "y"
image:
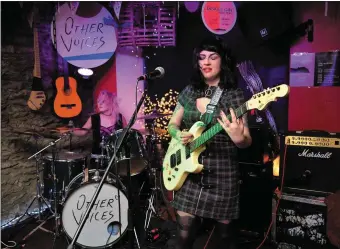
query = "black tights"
{"x": 187, "y": 229}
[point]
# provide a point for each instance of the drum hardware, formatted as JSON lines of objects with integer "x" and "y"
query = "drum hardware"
{"x": 138, "y": 152}
{"x": 41, "y": 200}
{"x": 102, "y": 148}
{"x": 153, "y": 116}
{"x": 155, "y": 156}
{"x": 54, "y": 214}
{"x": 122, "y": 138}
{"x": 36, "y": 134}
{"x": 153, "y": 202}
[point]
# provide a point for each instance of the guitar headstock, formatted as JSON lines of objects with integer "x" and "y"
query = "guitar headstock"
{"x": 262, "y": 99}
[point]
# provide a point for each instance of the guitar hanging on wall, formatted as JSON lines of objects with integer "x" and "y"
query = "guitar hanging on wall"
{"x": 37, "y": 96}
{"x": 180, "y": 160}
{"x": 67, "y": 103}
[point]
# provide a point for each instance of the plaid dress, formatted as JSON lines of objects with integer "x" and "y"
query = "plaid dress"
{"x": 213, "y": 193}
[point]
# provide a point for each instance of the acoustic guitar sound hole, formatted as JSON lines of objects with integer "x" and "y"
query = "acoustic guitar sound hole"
{"x": 68, "y": 92}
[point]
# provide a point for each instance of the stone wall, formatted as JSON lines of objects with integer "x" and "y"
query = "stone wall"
{"x": 18, "y": 175}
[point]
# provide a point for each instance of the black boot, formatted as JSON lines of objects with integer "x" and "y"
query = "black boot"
{"x": 187, "y": 227}
{"x": 226, "y": 236}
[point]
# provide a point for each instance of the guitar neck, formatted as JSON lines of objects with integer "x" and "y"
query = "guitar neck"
{"x": 210, "y": 133}
{"x": 36, "y": 70}
{"x": 66, "y": 81}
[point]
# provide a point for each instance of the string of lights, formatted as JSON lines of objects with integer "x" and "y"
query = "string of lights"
{"x": 10, "y": 222}
{"x": 162, "y": 105}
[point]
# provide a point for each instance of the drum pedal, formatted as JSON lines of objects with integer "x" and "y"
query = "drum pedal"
{"x": 156, "y": 235}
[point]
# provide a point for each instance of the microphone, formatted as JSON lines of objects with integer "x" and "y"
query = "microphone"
{"x": 157, "y": 73}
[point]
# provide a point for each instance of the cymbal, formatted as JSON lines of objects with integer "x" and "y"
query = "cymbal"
{"x": 66, "y": 129}
{"x": 154, "y": 116}
{"x": 157, "y": 131}
{"x": 161, "y": 131}
{"x": 35, "y": 134}
{"x": 29, "y": 133}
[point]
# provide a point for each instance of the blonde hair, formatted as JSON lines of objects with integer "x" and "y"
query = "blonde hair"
{"x": 112, "y": 97}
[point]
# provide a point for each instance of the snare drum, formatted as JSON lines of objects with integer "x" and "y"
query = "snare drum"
{"x": 108, "y": 219}
{"x": 68, "y": 164}
{"x": 138, "y": 153}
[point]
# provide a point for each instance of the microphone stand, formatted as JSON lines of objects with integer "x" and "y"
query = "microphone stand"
{"x": 119, "y": 143}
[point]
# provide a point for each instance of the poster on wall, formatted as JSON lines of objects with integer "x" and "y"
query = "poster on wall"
{"x": 315, "y": 69}
{"x": 219, "y": 17}
{"x": 327, "y": 69}
{"x": 301, "y": 71}
{"x": 85, "y": 42}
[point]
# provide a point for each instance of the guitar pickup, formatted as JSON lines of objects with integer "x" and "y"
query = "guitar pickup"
{"x": 178, "y": 157}
{"x": 69, "y": 106}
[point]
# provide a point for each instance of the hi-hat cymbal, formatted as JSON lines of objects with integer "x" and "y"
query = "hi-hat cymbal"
{"x": 69, "y": 129}
{"x": 161, "y": 131}
{"x": 154, "y": 116}
{"x": 34, "y": 133}
{"x": 155, "y": 131}
{"x": 29, "y": 133}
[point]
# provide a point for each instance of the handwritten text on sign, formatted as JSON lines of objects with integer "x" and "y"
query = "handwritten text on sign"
{"x": 84, "y": 42}
{"x": 219, "y": 17}
{"x": 102, "y": 209}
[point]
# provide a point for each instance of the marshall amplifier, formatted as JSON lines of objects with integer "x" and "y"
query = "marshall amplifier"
{"x": 312, "y": 163}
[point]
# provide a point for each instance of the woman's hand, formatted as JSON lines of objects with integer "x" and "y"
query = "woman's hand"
{"x": 235, "y": 128}
{"x": 185, "y": 137}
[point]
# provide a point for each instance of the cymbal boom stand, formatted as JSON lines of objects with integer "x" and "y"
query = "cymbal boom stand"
{"x": 37, "y": 197}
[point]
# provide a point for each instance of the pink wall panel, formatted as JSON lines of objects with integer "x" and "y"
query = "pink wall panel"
{"x": 314, "y": 108}
{"x": 326, "y": 28}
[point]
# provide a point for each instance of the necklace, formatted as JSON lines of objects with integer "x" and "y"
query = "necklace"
{"x": 208, "y": 92}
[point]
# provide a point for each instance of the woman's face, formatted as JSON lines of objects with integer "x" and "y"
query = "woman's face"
{"x": 103, "y": 103}
{"x": 210, "y": 64}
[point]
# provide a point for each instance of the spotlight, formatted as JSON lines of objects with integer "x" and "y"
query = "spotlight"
{"x": 85, "y": 72}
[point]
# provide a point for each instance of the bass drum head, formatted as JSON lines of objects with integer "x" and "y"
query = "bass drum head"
{"x": 108, "y": 219}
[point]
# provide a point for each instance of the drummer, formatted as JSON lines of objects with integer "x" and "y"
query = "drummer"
{"x": 105, "y": 122}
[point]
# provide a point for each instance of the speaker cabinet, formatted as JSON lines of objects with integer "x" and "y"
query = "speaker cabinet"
{"x": 256, "y": 190}
{"x": 312, "y": 162}
{"x": 264, "y": 21}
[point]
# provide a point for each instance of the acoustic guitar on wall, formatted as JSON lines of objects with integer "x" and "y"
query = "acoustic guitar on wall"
{"x": 67, "y": 103}
{"x": 37, "y": 96}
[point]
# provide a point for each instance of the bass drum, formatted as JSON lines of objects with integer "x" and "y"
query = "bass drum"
{"x": 108, "y": 219}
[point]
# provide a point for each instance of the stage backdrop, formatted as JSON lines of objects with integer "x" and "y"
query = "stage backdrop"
{"x": 121, "y": 79}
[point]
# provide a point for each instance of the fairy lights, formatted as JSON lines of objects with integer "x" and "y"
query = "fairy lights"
{"x": 163, "y": 105}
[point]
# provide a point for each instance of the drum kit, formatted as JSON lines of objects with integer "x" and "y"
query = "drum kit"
{"x": 67, "y": 181}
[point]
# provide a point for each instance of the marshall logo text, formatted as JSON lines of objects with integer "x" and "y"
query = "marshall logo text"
{"x": 306, "y": 153}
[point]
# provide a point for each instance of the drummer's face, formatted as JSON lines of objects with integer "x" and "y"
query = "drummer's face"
{"x": 103, "y": 103}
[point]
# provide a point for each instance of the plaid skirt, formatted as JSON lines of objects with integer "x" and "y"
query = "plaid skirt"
{"x": 213, "y": 193}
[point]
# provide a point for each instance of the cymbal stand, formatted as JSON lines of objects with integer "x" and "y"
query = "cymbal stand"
{"x": 37, "y": 197}
{"x": 157, "y": 195}
{"x": 54, "y": 213}
{"x": 102, "y": 145}
{"x": 154, "y": 197}
{"x": 55, "y": 195}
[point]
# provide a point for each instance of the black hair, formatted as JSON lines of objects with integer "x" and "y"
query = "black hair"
{"x": 228, "y": 65}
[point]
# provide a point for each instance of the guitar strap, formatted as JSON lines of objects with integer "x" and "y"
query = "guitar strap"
{"x": 211, "y": 107}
